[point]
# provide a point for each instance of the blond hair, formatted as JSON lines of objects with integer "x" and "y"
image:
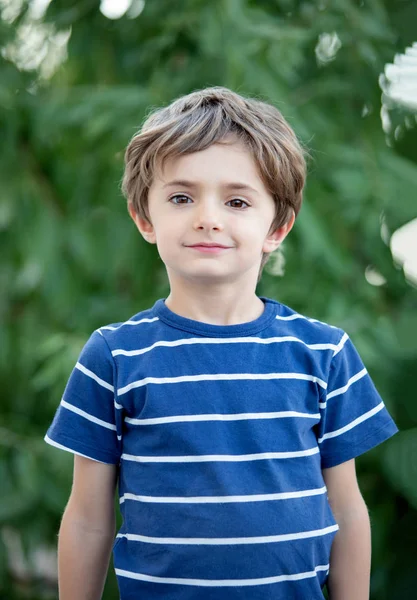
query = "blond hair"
{"x": 196, "y": 121}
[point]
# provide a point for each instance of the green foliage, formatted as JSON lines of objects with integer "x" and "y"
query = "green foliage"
{"x": 73, "y": 261}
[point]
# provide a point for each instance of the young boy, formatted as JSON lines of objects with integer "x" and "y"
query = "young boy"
{"x": 229, "y": 421}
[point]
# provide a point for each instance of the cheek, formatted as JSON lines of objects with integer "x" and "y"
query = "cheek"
{"x": 253, "y": 229}
{"x": 163, "y": 240}
{"x": 167, "y": 237}
{"x": 164, "y": 226}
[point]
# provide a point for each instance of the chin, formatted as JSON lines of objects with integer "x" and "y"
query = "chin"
{"x": 208, "y": 277}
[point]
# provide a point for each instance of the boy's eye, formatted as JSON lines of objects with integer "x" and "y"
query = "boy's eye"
{"x": 179, "y": 199}
{"x": 240, "y": 203}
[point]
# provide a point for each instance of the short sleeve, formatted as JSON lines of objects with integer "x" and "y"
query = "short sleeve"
{"x": 86, "y": 421}
{"x": 354, "y": 418}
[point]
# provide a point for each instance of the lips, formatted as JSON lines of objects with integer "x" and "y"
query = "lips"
{"x": 208, "y": 246}
{"x": 214, "y": 249}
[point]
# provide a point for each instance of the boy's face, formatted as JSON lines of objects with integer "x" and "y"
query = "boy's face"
{"x": 211, "y": 198}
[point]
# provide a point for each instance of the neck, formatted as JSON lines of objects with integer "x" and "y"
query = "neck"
{"x": 215, "y": 305}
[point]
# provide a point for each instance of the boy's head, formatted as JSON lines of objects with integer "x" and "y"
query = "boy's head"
{"x": 219, "y": 118}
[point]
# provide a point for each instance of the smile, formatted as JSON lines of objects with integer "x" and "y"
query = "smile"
{"x": 209, "y": 249}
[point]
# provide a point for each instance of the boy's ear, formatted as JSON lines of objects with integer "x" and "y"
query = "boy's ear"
{"x": 144, "y": 226}
{"x": 277, "y": 236}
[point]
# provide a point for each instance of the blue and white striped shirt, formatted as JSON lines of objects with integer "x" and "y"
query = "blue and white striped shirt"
{"x": 221, "y": 434}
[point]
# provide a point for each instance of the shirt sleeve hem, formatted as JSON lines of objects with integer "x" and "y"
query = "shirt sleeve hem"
{"x": 76, "y": 447}
{"x": 349, "y": 452}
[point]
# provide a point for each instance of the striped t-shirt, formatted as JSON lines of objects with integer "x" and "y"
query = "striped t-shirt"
{"x": 221, "y": 434}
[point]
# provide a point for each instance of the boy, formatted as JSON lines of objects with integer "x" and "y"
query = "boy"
{"x": 230, "y": 422}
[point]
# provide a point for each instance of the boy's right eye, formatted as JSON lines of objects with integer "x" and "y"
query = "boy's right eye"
{"x": 179, "y": 199}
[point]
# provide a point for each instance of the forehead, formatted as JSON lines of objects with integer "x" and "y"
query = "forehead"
{"x": 219, "y": 163}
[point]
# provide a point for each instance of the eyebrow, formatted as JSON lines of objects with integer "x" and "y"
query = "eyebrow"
{"x": 230, "y": 186}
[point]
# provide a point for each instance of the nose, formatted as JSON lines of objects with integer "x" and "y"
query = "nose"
{"x": 208, "y": 218}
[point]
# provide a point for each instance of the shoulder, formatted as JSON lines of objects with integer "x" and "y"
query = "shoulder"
{"x": 114, "y": 333}
{"x": 310, "y": 329}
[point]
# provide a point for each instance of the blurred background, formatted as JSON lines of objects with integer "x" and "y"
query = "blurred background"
{"x": 76, "y": 80}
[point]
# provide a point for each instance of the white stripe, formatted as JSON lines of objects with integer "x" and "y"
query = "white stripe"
{"x": 263, "y": 539}
{"x": 219, "y": 377}
{"x": 222, "y": 582}
{"x": 352, "y": 424}
{"x": 87, "y": 416}
{"x": 221, "y": 417}
{"x": 238, "y": 340}
{"x": 61, "y": 447}
{"x": 298, "y": 316}
{"x": 94, "y": 376}
{"x": 224, "y": 499}
{"x": 340, "y": 345}
{"x": 220, "y": 457}
{"x": 111, "y": 328}
{"x": 343, "y": 389}
{"x": 117, "y": 405}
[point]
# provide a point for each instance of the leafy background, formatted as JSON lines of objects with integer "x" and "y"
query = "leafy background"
{"x": 74, "y": 87}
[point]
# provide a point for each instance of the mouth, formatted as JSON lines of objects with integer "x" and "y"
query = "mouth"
{"x": 209, "y": 248}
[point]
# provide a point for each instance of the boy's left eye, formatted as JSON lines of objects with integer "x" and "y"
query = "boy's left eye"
{"x": 239, "y": 200}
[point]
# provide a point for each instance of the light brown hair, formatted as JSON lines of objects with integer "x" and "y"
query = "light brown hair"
{"x": 194, "y": 122}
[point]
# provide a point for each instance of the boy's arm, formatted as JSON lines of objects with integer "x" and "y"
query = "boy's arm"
{"x": 87, "y": 531}
{"x": 350, "y": 559}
